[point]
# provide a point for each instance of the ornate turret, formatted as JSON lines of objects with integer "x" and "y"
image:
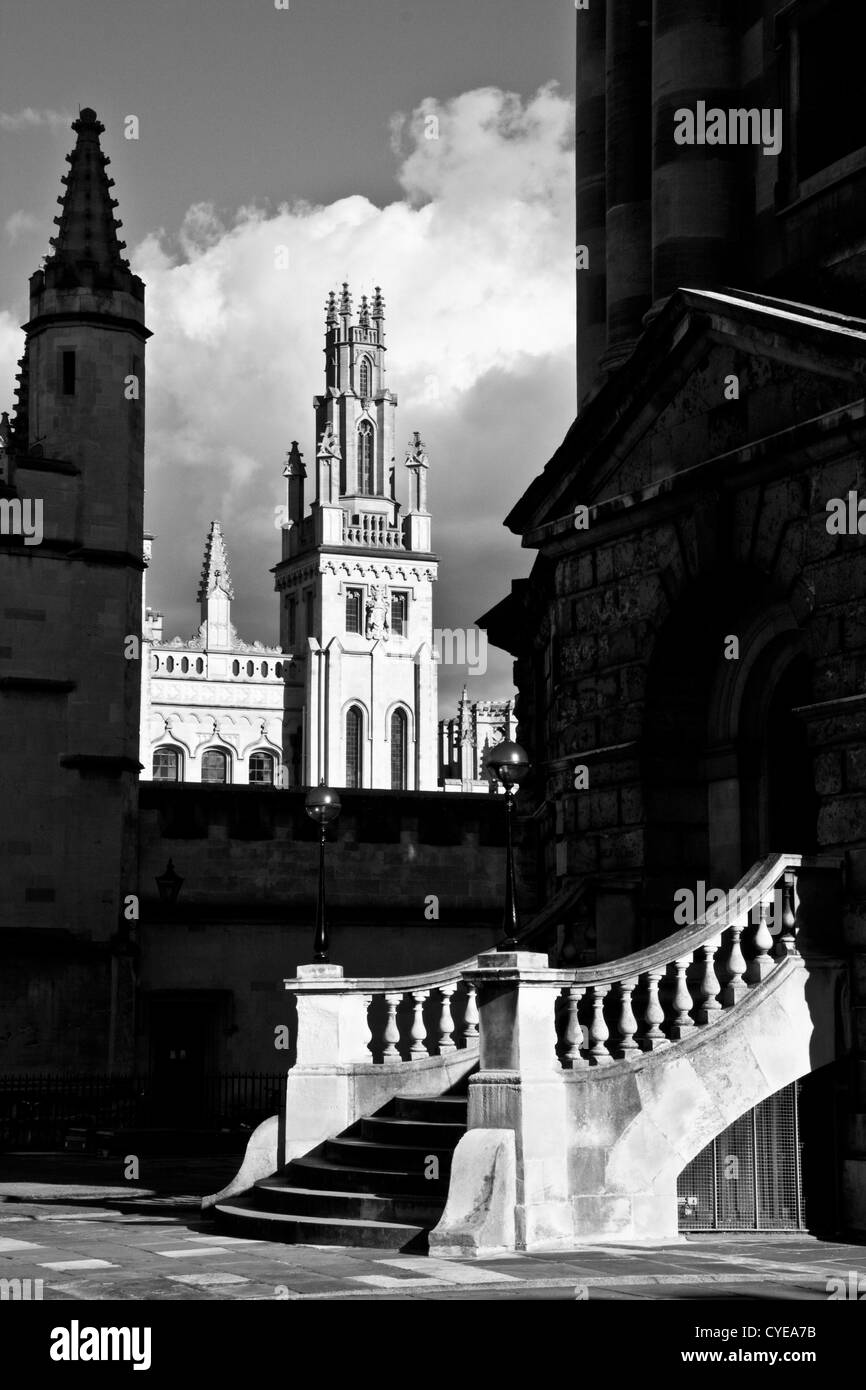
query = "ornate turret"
{"x": 355, "y": 579}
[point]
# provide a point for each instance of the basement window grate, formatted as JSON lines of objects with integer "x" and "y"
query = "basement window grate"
{"x": 749, "y": 1178}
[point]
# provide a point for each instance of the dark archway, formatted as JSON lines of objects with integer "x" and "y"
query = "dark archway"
{"x": 778, "y": 799}
{"x": 727, "y": 773}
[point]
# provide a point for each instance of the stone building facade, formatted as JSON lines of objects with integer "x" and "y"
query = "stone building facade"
{"x": 466, "y": 740}
{"x": 212, "y": 706}
{"x": 690, "y": 647}
{"x": 356, "y": 581}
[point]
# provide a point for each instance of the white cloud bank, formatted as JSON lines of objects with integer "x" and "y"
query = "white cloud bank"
{"x": 476, "y": 265}
{"x": 28, "y": 118}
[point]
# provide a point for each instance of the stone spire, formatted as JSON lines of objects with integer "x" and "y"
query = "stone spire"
{"x": 331, "y": 320}
{"x": 364, "y": 313}
{"x": 215, "y": 569}
{"x": 86, "y": 249}
{"x": 378, "y": 314}
{"x": 346, "y": 307}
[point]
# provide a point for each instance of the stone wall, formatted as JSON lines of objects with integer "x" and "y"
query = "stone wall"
{"x": 245, "y": 914}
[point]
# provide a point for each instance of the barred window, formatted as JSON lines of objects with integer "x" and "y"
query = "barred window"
{"x": 399, "y": 749}
{"x": 354, "y": 747}
{"x": 354, "y": 609}
{"x": 166, "y": 765}
{"x": 262, "y": 769}
{"x": 399, "y": 613}
{"x": 214, "y": 766}
{"x": 365, "y": 458}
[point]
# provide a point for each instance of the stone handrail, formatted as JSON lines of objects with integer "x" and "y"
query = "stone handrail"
{"x": 665, "y": 992}
{"x": 376, "y": 1026}
{"x": 386, "y": 1001}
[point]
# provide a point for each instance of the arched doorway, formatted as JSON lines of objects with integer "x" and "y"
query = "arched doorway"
{"x": 727, "y": 772}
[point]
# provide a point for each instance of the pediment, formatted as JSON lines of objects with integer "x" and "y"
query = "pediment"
{"x": 713, "y": 373}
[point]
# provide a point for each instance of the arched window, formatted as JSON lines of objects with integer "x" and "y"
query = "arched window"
{"x": 354, "y": 747}
{"x": 169, "y": 663}
{"x": 365, "y": 458}
{"x": 184, "y": 664}
{"x": 199, "y": 665}
{"x": 278, "y": 670}
{"x": 236, "y": 668}
{"x": 365, "y": 379}
{"x": 250, "y": 668}
{"x": 262, "y": 769}
{"x": 399, "y": 749}
{"x": 264, "y": 668}
{"x": 214, "y": 766}
{"x": 166, "y": 765}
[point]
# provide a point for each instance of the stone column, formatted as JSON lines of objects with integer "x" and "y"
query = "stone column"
{"x": 332, "y": 1039}
{"x": 590, "y": 163}
{"x": 695, "y": 187}
{"x": 628, "y": 174}
{"x": 520, "y": 1088}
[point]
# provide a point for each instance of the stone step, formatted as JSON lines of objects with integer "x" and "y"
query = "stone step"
{"x": 439, "y": 1109}
{"x": 316, "y": 1171}
{"x": 242, "y": 1216}
{"x": 396, "y": 1129}
{"x": 400, "y": 1158}
{"x": 274, "y": 1194}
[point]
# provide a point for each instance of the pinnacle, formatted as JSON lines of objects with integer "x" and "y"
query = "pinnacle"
{"x": 87, "y": 235}
{"x": 215, "y": 567}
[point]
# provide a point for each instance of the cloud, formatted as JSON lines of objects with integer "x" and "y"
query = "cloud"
{"x": 28, "y": 118}
{"x": 476, "y": 264}
{"x": 21, "y": 224}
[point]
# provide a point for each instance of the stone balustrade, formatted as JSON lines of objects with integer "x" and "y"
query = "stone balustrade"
{"x": 387, "y": 1022}
{"x": 372, "y": 529}
{"x": 665, "y": 993}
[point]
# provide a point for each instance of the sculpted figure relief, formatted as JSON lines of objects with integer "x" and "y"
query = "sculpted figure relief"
{"x": 378, "y": 616}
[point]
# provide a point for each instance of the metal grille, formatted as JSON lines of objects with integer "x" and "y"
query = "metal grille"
{"x": 749, "y": 1177}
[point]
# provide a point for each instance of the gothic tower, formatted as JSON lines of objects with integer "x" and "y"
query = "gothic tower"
{"x": 71, "y": 619}
{"x": 355, "y": 580}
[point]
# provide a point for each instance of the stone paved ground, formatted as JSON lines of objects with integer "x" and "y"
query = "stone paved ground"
{"x": 97, "y": 1239}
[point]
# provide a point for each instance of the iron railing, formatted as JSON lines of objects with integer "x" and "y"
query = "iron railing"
{"x": 40, "y": 1111}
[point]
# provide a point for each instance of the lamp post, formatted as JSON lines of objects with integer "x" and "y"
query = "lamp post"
{"x": 168, "y": 884}
{"x": 510, "y": 764}
{"x": 322, "y": 806}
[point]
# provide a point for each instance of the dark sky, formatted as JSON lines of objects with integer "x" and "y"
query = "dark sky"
{"x": 306, "y": 128}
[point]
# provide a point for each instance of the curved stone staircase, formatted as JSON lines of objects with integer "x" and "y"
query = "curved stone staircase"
{"x": 592, "y": 1088}
{"x": 366, "y": 1187}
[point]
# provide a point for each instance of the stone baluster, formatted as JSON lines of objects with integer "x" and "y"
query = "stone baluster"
{"x": 470, "y": 1017}
{"x": 683, "y": 1024}
{"x": 368, "y": 999}
{"x": 446, "y": 1022}
{"x": 598, "y": 1030}
{"x": 572, "y": 1038}
{"x": 735, "y": 969}
{"x": 392, "y": 1032}
{"x": 626, "y": 1024}
{"x": 786, "y": 941}
{"x": 709, "y": 1008}
{"x": 652, "y": 1037}
{"x": 418, "y": 1032}
{"x": 762, "y": 963}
